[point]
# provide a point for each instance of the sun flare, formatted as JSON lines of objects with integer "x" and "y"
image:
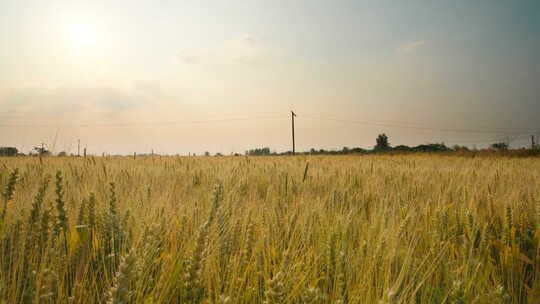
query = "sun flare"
{"x": 82, "y": 35}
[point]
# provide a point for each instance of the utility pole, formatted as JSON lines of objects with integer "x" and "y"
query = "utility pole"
{"x": 84, "y": 152}
{"x": 292, "y": 120}
{"x": 78, "y": 147}
{"x": 532, "y": 142}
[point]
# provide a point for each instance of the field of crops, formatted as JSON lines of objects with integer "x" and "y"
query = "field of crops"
{"x": 342, "y": 229}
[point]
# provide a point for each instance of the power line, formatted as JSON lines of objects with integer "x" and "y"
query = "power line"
{"x": 133, "y": 124}
{"x": 504, "y": 133}
{"x": 412, "y": 126}
{"x": 270, "y": 115}
{"x": 419, "y": 124}
{"x": 15, "y": 116}
{"x": 499, "y": 139}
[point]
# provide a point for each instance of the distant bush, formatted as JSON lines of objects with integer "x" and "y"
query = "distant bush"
{"x": 500, "y": 146}
{"x": 8, "y": 151}
{"x": 432, "y": 148}
{"x": 403, "y": 148}
{"x": 258, "y": 151}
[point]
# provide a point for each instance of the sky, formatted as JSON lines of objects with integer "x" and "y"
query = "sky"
{"x": 222, "y": 76}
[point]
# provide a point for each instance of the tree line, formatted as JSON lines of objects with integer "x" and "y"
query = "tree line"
{"x": 382, "y": 145}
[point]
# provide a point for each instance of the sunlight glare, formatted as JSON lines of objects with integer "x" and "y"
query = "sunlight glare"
{"x": 82, "y": 35}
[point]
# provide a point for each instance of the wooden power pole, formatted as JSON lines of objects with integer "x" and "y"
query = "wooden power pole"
{"x": 532, "y": 142}
{"x": 78, "y": 147}
{"x": 292, "y": 120}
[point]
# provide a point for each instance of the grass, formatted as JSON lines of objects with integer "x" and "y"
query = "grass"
{"x": 321, "y": 229}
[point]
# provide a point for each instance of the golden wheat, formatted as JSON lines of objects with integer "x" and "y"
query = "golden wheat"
{"x": 351, "y": 229}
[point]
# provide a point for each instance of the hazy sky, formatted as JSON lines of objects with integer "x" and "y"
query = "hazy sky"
{"x": 190, "y": 76}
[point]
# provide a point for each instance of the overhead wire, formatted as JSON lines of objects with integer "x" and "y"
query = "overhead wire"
{"x": 413, "y": 126}
{"x": 135, "y": 124}
{"x": 504, "y": 134}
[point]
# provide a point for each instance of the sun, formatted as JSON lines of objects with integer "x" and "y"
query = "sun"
{"x": 82, "y": 35}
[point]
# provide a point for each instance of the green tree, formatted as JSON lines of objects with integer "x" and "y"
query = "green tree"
{"x": 382, "y": 143}
{"x": 500, "y": 146}
{"x": 42, "y": 151}
{"x": 8, "y": 151}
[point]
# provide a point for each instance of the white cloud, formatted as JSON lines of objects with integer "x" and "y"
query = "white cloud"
{"x": 411, "y": 46}
{"x": 76, "y": 102}
{"x": 246, "y": 50}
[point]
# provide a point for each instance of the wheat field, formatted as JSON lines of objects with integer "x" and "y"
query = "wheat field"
{"x": 304, "y": 229}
